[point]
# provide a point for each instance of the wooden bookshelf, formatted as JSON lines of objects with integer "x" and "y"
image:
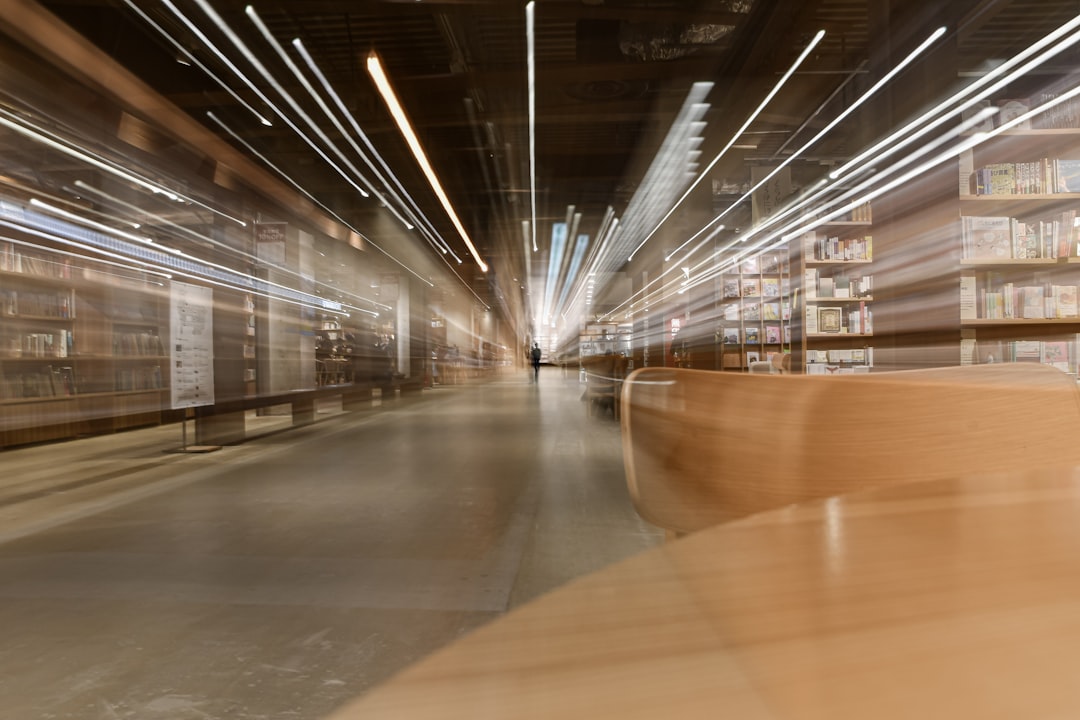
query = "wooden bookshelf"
{"x": 755, "y": 310}
{"x": 80, "y": 352}
{"x": 1020, "y": 305}
{"x": 836, "y": 284}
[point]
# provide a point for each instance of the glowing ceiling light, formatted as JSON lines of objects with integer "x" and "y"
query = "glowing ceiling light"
{"x": 398, "y": 113}
{"x": 530, "y": 59}
{"x": 415, "y": 212}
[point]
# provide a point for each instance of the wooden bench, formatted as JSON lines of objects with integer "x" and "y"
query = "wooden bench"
{"x": 704, "y": 447}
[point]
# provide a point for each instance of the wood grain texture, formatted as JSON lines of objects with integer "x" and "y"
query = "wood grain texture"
{"x": 945, "y": 599}
{"x": 706, "y": 447}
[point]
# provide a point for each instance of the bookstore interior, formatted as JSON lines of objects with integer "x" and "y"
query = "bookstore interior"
{"x": 137, "y": 287}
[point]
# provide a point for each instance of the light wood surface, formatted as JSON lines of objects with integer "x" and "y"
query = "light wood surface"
{"x": 947, "y": 599}
{"x": 706, "y": 447}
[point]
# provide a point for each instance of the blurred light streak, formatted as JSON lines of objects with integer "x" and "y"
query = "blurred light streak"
{"x": 84, "y": 188}
{"x": 258, "y": 66}
{"x": 738, "y": 133}
{"x": 421, "y": 219}
{"x": 870, "y": 92}
{"x": 272, "y": 41}
{"x": 311, "y": 197}
{"x": 374, "y": 67}
{"x": 890, "y": 144}
{"x": 283, "y": 93}
{"x": 46, "y": 138}
{"x": 668, "y": 173}
{"x": 644, "y": 291}
{"x": 111, "y": 263}
{"x": 530, "y": 59}
{"x": 190, "y": 25}
{"x": 88, "y": 222}
{"x": 82, "y": 208}
{"x": 198, "y": 63}
{"x": 575, "y": 265}
{"x": 781, "y": 236}
{"x": 380, "y": 195}
{"x": 598, "y": 251}
{"x": 874, "y": 186}
{"x": 162, "y": 261}
{"x": 567, "y": 275}
{"x": 555, "y": 256}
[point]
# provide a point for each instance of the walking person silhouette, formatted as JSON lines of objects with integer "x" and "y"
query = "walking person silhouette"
{"x": 535, "y": 354}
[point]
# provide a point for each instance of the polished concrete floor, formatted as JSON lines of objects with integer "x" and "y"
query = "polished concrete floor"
{"x": 282, "y": 577}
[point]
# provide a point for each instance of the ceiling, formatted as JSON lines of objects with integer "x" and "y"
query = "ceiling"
{"x": 611, "y": 79}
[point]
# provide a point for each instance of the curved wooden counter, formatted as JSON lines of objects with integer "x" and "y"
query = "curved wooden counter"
{"x": 949, "y": 599}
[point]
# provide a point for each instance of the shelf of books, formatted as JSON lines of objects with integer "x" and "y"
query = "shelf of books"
{"x": 838, "y": 296}
{"x": 248, "y": 351}
{"x": 755, "y": 310}
{"x": 1020, "y": 248}
{"x": 81, "y": 348}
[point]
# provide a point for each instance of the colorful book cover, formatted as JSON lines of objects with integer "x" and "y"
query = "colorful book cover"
{"x": 1068, "y": 175}
{"x": 1056, "y": 354}
{"x": 987, "y": 237}
{"x": 1064, "y": 301}
{"x": 1034, "y": 302}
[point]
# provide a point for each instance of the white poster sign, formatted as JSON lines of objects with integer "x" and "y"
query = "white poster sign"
{"x": 191, "y": 345}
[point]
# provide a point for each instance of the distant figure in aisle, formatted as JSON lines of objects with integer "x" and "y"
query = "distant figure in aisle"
{"x": 536, "y": 361}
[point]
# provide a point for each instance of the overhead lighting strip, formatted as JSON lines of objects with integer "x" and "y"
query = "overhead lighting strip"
{"x": 530, "y": 59}
{"x": 401, "y": 194}
{"x": 375, "y": 69}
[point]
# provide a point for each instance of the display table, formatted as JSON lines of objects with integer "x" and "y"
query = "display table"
{"x": 957, "y": 599}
